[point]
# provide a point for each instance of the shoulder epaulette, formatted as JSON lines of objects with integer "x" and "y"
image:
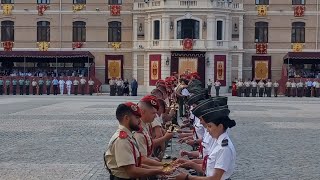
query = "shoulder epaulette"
{"x": 123, "y": 135}
{"x": 224, "y": 143}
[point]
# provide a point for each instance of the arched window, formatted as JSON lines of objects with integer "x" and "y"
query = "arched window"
{"x": 219, "y": 30}
{"x": 7, "y": 31}
{"x": 298, "y": 32}
{"x": 43, "y": 31}
{"x": 114, "y": 31}
{"x": 188, "y": 28}
{"x": 261, "y": 32}
{"x": 79, "y": 31}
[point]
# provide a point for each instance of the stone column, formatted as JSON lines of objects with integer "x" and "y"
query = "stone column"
{"x": 135, "y": 65}
{"x": 227, "y": 33}
{"x": 135, "y": 32}
{"x": 165, "y": 29}
{"x": 241, "y": 32}
{"x": 240, "y": 65}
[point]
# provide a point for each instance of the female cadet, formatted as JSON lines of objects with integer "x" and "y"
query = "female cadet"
{"x": 220, "y": 163}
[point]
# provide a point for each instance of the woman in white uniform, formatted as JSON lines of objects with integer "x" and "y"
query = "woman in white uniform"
{"x": 219, "y": 164}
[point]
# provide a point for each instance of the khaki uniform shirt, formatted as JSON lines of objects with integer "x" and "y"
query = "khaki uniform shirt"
{"x": 261, "y": 84}
{"x": 121, "y": 153}
{"x": 112, "y": 82}
{"x": 75, "y": 82}
{"x": 83, "y": 81}
{"x": 275, "y": 84}
{"x": 288, "y": 84}
{"x": 90, "y": 83}
{"x": 300, "y": 84}
{"x": 34, "y": 83}
{"x": 216, "y": 84}
{"x": 239, "y": 84}
{"x": 247, "y": 84}
{"x": 254, "y": 84}
{"x": 144, "y": 139}
{"x": 269, "y": 84}
{"x": 293, "y": 85}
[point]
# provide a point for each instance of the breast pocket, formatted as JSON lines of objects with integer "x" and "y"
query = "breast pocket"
{"x": 210, "y": 165}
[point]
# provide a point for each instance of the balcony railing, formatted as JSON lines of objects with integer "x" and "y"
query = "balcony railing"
{"x": 165, "y": 4}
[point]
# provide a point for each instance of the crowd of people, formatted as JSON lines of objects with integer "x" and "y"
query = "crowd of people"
{"x": 119, "y": 87}
{"x": 177, "y": 107}
{"x": 44, "y": 85}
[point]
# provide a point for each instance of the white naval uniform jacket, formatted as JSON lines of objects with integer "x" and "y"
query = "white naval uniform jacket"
{"x": 222, "y": 157}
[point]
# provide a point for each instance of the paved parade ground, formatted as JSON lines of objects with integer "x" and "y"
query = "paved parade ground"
{"x": 64, "y": 137}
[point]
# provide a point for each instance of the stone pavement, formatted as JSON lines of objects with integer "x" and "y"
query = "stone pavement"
{"x": 64, "y": 137}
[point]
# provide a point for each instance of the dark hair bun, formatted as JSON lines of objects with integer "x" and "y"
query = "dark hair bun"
{"x": 231, "y": 123}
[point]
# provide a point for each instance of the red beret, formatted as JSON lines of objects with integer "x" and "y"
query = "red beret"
{"x": 151, "y": 100}
{"x": 134, "y": 108}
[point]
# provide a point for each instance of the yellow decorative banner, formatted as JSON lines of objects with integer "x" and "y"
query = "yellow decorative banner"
{"x": 43, "y": 46}
{"x": 188, "y": 65}
{"x": 78, "y": 7}
{"x": 7, "y": 9}
{"x": 297, "y": 47}
{"x": 114, "y": 68}
{"x": 261, "y": 69}
{"x": 262, "y": 10}
{"x": 116, "y": 45}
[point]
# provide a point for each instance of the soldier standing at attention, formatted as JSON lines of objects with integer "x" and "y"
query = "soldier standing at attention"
{"x": 27, "y": 82}
{"x": 261, "y": 88}
{"x": 112, "y": 86}
{"x": 268, "y": 88}
{"x": 40, "y": 82}
{"x": 34, "y": 87}
{"x": 300, "y": 88}
{"x": 288, "y": 88}
{"x": 14, "y": 86}
{"x": 83, "y": 85}
{"x": 8, "y": 82}
{"x": 217, "y": 85}
{"x": 76, "y": 86}
{"x": 247, "y": 86}
{"x": 254, "y": 88}
{"x": 21, "y": 84}
{"x": 122, "y": 157}
{"x": 69, "y": 84}
{"x": 55, "y": 83}
{"x": 293, "y": 88}
{"x": 239, "y": 88}
{"x": 90, "y": 83}
{"x": 209, "y": 84}
{"x": 317, "y": 88}
{"x": 1, "y": 86}
{"x": 48, "y": 84}
{"x": 275, "y": 88}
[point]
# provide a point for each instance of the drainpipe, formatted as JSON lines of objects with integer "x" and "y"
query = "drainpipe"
{"x": 317, "y": 28}
{"x": 60, "y": 24}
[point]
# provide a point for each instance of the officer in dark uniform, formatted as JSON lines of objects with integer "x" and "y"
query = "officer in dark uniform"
{"x": 14, "y": 86}
{"x": 8, "y": 82}
{"x": 1, "y": 86}
{"x": 48, "y": 84}
{"x": 27, "y": 83}
{"x": 40, "y": 83}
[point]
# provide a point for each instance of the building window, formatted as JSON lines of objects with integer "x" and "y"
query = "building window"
{"x": 7, "y": 31}
{"x": 261, "y": 32}
{"x": 43, "y": 31}
{"x": 6, "y": 1}
{"x": 43, "y": 1}
{"x": 262, "y": 2}
{"x": 188, "y": 28}
{"x": 298, "y": 32}
{"x": 115, "y": 2}
{"x": 79, "y": 31}
{"x": 79, "y": 1}
{"x": 298, "y": 2}
{"x": 114, "y": 31}
{"x": 219, "y": 30}
{"x": 156, "y": 30}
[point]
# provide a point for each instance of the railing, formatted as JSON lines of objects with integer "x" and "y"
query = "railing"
{"x": 219, "y": 43}
{"x": 155, "y": 42}
{"x": 167, "y": 4}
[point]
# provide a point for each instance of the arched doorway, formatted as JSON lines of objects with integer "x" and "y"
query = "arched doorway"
{"x": 188, "y": 28}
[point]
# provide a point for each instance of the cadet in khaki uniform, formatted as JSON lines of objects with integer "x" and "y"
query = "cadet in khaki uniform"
{"x": 288, "y": 88}
{"x": 90, "y": 83}
{"x": 261, "y": 88}
{"x": 21, "y": 84}
{"x": 149, "y": 107}
{"x": 27, "y": 82}
{"x": 34, "y": 87}
{"x": 248, "y": 89}
{"x": 317, "y": 88}
{"x": 8, "y": 82}
{"x": 122, "y": 157}
{"x": 275, "y": 88}
{"x": 83, "y": 85}
{"x": 217, "y": 85}
{"x": 76, "y": 86}
{"x": 1, "y": 86}
{"x": 14, "y": 86}
{"x": 300, "y": 88}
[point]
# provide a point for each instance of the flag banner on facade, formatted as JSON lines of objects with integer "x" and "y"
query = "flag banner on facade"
{"x": 262, "y": 10}
{"x": 188, "y": 65}
{"x": 261, "y": 67}
{"x": 115, "y": 10}
{"x": 114, "y": 67}
{"x": 261, "y": 48}
{"x": 297, "y": 47}
{"x": 154, "y": 68}
{"x": 220, "y": 69}
{"x": 299, "y": 11}
{"x": 7, "y": 9}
